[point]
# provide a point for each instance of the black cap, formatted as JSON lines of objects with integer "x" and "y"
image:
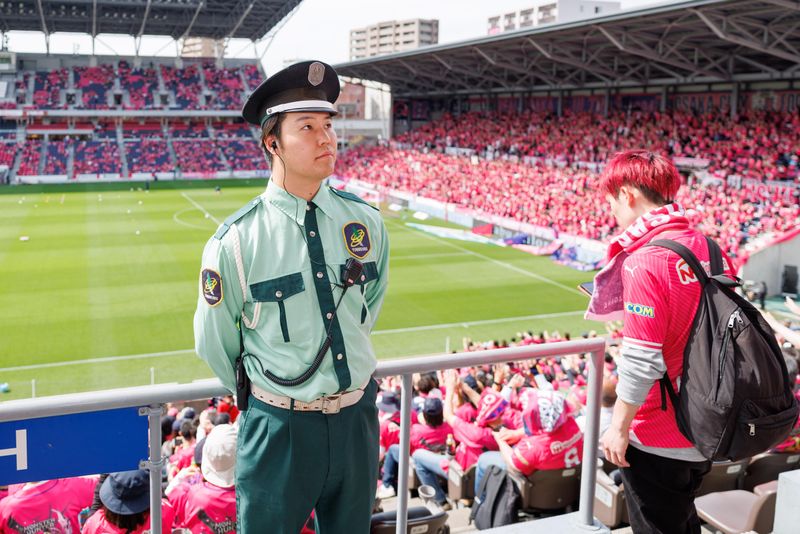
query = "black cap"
{"x": 432, "y": 406}
{"x": 304, "y": 86}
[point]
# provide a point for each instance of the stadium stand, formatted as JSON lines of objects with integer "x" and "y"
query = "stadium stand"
{"x": 97, "y": 157}
{"x": 139, "y": 83}
{"x": 184, "y": 84}
{"x": 8, "y": 152}
{"x": 226, "y": 84}
{"x": 539, "y": 175}
{"x": 95, "y": 84}
{"x": 31, "y": 154}
{"x": 188, "y": 130}
{"x": 198, "y": 156}
{"x": 47, "y": 88}
{"x": 57, "y": 156}
{"x": 148, "y": 155}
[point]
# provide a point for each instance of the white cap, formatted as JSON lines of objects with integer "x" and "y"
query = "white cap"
{"x": 219, "y": 456}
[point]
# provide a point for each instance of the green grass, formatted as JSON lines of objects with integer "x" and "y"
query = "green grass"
{"x": 85, "y": 286}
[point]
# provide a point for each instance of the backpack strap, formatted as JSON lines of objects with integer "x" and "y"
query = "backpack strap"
{"x": 715, "y": 254}
{"x": 687, "y": 256}
{"x": 691, "y": 260}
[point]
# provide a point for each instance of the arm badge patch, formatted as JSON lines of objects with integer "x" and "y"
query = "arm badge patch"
{"x": 211, "y": 284}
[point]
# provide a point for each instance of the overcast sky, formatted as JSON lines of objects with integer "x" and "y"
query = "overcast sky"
{"x": 318, "y": 29}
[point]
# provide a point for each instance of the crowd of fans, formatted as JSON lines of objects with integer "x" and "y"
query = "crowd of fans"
{"x": 46, "y": 87}
{"x": 223, "y": 88}
{"x": 148, "y": 155}
{"x": 198, "y": 148}
{"x": 97, "y": 157}
{"x": 757, "y": 144}
{"x": 226, "y": 85}
{"x": 242, "y": 153}
{"x": 140, "y": 83}
{"x": 29, "y": 159}
{"x": 94, "y": 84}
{"x": 57, "y": 156}
{"x": 188, "y": 130}
{"x": 8, "y": 151}
{"x": 532, "y": 168}
{"x": 198, "y": 156}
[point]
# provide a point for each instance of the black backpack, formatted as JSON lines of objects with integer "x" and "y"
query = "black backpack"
{"x": 501, "y": 501}
{"x": 735, "y": 398}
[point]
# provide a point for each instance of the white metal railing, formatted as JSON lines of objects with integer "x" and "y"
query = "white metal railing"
{"x": 150, "y": 400}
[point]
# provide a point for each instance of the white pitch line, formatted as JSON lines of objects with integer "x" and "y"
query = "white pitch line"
{"x": 496, "y": 262}
{"x": 375, "y": 333}
{"x": 184, "y": 223}
{"x": 96, "y": 360}
{"x": 425, "y": 256}
{"x": 476, "y": 323}
{"x": 201, "y": 208}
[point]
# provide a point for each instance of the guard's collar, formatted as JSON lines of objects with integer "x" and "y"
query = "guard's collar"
{"x": 293, "y": 206}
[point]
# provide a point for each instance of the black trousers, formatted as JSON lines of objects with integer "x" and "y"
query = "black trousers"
{"x": 660, "y": 493}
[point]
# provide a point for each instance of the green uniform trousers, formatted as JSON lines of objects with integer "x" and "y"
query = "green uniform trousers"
{"x": 289, "y": 463}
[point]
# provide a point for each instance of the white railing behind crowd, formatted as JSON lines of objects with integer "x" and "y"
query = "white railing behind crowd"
{"x": 150, "y": 400}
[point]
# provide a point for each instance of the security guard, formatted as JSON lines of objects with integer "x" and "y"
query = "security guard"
{"x": 293, "y": 283}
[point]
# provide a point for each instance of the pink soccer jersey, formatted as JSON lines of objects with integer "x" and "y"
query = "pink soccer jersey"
{"x": 98, "y": 524}
{"x": 429, "y": 437}
{"x": 661, "y": 294}
{"x": 557, "y": 450}
{"x": 208, "y": 509}
{"x": 473, "y": 440}
{"x": 51, "y": 507}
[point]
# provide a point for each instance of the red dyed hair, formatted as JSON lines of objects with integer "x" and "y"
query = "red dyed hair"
{"x": 652, "y": 174}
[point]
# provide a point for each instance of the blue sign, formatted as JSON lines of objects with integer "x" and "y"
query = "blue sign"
{"x": 72, "y": 445}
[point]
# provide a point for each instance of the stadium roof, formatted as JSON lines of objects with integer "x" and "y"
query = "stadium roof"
{"x": 217, "y": 19}
{"x": 702, "y": 41}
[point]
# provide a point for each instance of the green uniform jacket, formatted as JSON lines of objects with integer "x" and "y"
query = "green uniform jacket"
{"x": 262, "y": 271}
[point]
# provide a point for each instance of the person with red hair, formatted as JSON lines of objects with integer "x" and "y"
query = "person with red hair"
{"x": 656, "y": 295}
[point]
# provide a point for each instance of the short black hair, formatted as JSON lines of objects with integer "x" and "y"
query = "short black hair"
{"x": 427, "y": 382}
{"x": 272, "y": 126}
{"x": 433, "y": 420}
{"x": 188, "y": 429}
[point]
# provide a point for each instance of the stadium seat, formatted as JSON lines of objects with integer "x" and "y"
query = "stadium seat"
{"x": 549, "y": 489}
{"x": 609, "y": 500}
{"x": 460, "y": 483}
{"x": 420, "y": 520}
{"x": 766, "y": 487}
{"x": 739, "y": 511}
{"x": 724, "y": 476}
{"x": 767, "y": 466}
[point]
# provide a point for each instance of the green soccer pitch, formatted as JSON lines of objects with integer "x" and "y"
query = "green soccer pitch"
{"x": 99, "y": 286}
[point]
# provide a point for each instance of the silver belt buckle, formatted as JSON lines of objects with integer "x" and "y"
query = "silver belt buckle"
{"x": 331, "y": 404}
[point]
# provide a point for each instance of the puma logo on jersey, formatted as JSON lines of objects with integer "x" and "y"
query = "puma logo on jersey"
{"x": 631, "y": 270}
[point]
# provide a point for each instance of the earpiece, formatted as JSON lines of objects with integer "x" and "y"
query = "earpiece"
{"x": 275, "y": 145}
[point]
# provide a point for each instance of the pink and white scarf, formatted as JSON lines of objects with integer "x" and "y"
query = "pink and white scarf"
{"x": 606, "y": 302}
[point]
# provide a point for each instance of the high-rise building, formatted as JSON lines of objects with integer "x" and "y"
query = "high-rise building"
{"x": 201, "y": 47}
{"x": 392, "y": 36}
{"x": 549, "y": 12}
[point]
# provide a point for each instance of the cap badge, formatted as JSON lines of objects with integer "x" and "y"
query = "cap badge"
{"x": 316, "y": 73}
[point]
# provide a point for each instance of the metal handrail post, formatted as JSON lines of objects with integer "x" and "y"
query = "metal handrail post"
{"x": 590, "y": 440}
{"x": 154, "y": 466}
{"x": 401, "y": 515}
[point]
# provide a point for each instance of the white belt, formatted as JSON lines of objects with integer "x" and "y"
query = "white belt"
{"x": 329, "y": 404}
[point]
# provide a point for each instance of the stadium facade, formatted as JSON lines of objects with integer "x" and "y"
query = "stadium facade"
{"x": 701, "y": 55}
